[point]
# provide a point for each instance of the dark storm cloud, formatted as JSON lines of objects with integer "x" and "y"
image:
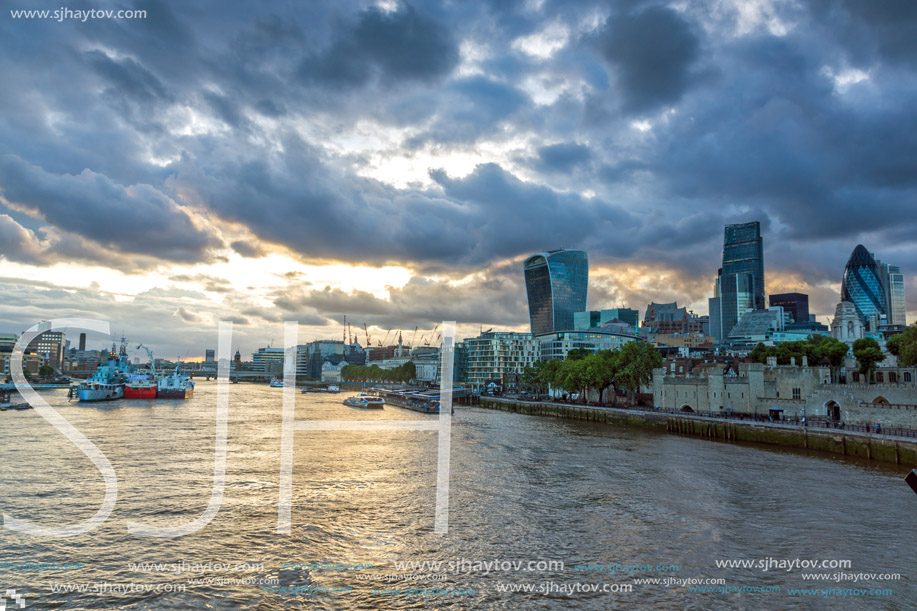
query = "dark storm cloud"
{"x": 563, "y": 157}
{"x": 136, "y": 219}
{"x": 389, "y": 47}
{"x": 652, "y": 51}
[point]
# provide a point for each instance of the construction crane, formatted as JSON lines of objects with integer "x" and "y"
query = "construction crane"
{"x": 413, "y": 337}
{"x": 366, "y": 331}
{"x": 149, "y": 353}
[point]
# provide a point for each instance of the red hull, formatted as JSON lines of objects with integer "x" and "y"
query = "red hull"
{"x": 142, "y": 392}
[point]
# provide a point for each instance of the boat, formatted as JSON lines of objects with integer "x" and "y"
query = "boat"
{"x": 276, "y": 383}
{"x": 107, "y": 383}
{"x": 143, "y": 385}
{"x": 423, "y": 402}
{"x": 365, "y": 401}
{"x": 176, "y": 385}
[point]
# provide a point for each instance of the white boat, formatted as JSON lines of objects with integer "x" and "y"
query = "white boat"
{"x": 364, "y": 401}
{"x": 276, "y": 382}
{"x": 175, "y": 386}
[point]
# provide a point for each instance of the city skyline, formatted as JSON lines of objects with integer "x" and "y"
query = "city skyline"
{"x": 165, "y": 189}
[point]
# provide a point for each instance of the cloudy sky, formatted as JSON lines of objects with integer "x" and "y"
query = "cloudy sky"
{"x": 394, "y": 161}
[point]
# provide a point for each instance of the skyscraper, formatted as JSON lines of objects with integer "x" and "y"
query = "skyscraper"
{"x": 863, "y": 286}
{"x": 893, "y": 282}
{"x": 740, "y": 282}
{"x": 556, "y": 282}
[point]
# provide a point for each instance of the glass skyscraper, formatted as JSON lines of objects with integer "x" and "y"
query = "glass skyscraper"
{"x": 862, "y": 285}
{"x": 556, "y": 282}
{"x": 740, "y": 282}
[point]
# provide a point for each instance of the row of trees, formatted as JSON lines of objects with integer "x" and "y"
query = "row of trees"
{"x": 626, "y": 368}
{"x": 374, "y": 373}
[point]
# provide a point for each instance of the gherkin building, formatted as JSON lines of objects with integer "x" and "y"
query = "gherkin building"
{"x": 863, "y": 285}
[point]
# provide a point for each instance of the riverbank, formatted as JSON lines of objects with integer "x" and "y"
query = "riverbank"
{"x": 882, "y": 448}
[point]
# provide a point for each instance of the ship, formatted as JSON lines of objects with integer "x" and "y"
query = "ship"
{"x": 107, "y": 383}
{"x": 142, "y": 385}
{"x": 176, "y": 385}
{"x": 364, "y": 401}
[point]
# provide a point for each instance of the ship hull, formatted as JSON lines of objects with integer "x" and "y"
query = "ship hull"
{"x": 103, "y": 393}
{"x": 175, "y": 393}
{"x": 140, "y": 392}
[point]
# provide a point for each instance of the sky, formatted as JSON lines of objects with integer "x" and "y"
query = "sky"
{"x": 395, "y": 161}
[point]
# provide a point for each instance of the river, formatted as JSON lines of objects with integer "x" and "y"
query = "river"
{"x": 556, "y": 507}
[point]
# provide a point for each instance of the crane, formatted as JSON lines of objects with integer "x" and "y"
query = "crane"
{"x": 149, "y": 353}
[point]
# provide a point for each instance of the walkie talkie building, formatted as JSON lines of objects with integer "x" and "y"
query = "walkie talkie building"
{"x": 556, "y": 282}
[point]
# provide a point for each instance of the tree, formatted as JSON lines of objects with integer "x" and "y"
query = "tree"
{"x": 760, "y": 353}
{"x": 904, "y": 346}
{"x": 868, "y": 354}
{"x": 45, "y": 371}
{"x": 638, "y": 359}
{"x": 609, "y": 366}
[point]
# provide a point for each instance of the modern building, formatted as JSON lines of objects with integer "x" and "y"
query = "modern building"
{"x": 558, "y": 345}
{"x": 893, "y": 283}
{"x": 795, "y": 304}
{"x": 493, "y": 354}
{"x": 596, "y": 318}
{"x": 556, "y": 282}
{"x": 739, "y": 283}
{"x": 862, "y": 285}
{"x": 268, "y": 361}
{"x": 51, "y": 345}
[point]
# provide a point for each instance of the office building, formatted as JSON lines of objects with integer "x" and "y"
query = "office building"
{"x": 49, "y": 344}
{"x": 795, "y": 304}
{"x": 596, "y": 318}
{"x": 863, "y": 285}
{"x": 893, "y": 284}
{"x": 556, "y": 283}
{"x": 739, "y": 285}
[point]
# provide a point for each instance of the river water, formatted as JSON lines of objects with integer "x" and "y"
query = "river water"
{"x": 561, "y": 506}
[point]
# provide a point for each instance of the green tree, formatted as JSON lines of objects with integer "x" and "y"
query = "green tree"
{"x": 760, "y": 353}
{"x": 904, "y": 346}
{"x": 609, "y": 366}
{"x": 578, "y": 354}
{"x": 868, "y": 355}
{"x": 638, "y": 359}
